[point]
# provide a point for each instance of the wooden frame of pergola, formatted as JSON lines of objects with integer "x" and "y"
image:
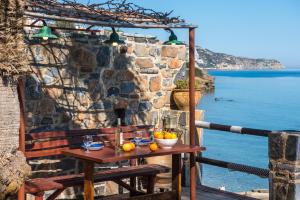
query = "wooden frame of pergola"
{"x": 143, "y": 24}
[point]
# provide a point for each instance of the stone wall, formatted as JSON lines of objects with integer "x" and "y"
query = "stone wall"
{"x": 10, "y": 116}
{"x": 79, "y": 82}
{"x": 284, "y": 155}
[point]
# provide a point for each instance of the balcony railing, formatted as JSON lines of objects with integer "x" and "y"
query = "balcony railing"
{"x": 284, "y": 159}
{"x": 260, "y": 172}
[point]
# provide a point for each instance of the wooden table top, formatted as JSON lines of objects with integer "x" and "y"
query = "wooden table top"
{"x": 108, "y": 154}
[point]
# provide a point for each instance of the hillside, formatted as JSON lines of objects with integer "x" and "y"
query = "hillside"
{"x": 210, "y": 59}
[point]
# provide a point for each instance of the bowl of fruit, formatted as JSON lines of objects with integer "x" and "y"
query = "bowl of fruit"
{"x": 165, "y": 139}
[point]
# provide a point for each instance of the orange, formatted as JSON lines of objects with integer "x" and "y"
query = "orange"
{"x": 160, "y": 136}
{"x": 153, "y": 147}
{"x": 127, "y": 147}
{"x": 168, "y": 136}
{"x": 156, "y": 134}
{"x": 174, "y": 136}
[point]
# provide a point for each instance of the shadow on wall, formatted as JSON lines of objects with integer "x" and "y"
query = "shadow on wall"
{"x": 80, "y": 83}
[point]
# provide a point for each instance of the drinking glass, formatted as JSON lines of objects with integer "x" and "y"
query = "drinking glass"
{"x": 87, "y": 142}
{"x": 138, "y": 137}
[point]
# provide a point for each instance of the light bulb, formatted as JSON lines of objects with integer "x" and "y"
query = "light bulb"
{"x": 45, "y": 38}
{"x": 115, "y": 44}
{"x": 173, "y": 43}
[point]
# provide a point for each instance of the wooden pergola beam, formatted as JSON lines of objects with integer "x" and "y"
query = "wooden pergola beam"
{"x": 107, "y": 24}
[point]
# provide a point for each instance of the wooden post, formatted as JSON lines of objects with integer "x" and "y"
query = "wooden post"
{"x": 133, "y": 162}
{"x": 88, "y": 180}
{"x": 176, "y": 175}
{"x": 192, "y": 111}
{"x": 150, "y": 184}
{"x": 21, "y": 96}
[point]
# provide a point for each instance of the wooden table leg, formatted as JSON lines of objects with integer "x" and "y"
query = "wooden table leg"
{"x": 21, "y": 192}
{"x": 88, "y": 180}
{"x": 133, "y": 162}
{"x": 176, "y": 174}
{"x": 150, "y": 184}
{"x": 193, "y": 180}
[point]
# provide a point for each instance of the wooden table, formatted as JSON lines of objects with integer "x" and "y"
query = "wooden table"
{"x": 109, "y": 155}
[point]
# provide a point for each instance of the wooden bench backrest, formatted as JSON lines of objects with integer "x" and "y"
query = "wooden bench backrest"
{"x": 51, "y": 143}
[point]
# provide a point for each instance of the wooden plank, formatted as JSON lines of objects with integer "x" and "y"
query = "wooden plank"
{"x": 132, "y": 190}
{"x": 150, "y": 184}
{"x": 58, "y": 134}
{"x": 157, "y": 196}
{"x": 125, "y": 172}
{"x": 55, "y": 194}
{"x": 193, "y": 180}
{"x": 81, "y": 132}
{"x": 108, "y": 154}
{"x": 176, "y": 175}
{"x": 108, "y": 24}
{"x": 21, "y": 96}
{"x": 75, "y": 141}
{"x": 39, "y": 185}
{"x": 208, "y": 193}
{"x": 192, "y": 111}
{"x": 88, "y": 180}
{"x": 48, "y": 152}
{"x": 133, "y": 162}
{"x": 21, "y": 192}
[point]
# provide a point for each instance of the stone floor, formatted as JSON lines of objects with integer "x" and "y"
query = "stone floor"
{"x": 206, "y": 193}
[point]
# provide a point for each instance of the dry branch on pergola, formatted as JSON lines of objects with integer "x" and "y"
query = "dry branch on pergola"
{"x": 117, "y": 13}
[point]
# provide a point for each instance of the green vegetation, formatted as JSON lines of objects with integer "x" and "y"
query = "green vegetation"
{"x": 184, "y": 84}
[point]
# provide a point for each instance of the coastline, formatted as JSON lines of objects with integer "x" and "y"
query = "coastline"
{"x": 244, "y": 68}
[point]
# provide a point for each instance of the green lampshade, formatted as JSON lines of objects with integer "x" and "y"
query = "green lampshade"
{"x": 114, "y": 38}
{"x": 173, "y": 40}
{"x": 45, "y": 33}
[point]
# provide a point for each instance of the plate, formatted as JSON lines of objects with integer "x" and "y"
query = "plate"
{"x": 143, "y": 142}
{"x": 95, "y": 147}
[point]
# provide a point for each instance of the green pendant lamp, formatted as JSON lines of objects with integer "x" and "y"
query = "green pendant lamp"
{"x": 114, "y": 38}
{"x": 45, "y": 33}
{"x": 173, "y": 39}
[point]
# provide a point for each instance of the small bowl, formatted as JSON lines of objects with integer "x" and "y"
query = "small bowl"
{"x": 166, "y": 143}
{"x": 96, "y": 146}
{"x": 142, "y": 142}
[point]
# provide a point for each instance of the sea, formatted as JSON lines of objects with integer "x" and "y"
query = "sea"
{"x": 254, "y": 99}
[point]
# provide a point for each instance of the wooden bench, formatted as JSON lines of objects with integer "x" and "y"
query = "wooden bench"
{"x": 51, "y": 143}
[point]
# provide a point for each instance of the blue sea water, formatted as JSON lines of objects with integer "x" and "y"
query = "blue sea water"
{"x": 254, "y": 99}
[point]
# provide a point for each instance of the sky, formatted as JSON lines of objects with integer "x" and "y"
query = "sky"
{"x": 248, "y": 28}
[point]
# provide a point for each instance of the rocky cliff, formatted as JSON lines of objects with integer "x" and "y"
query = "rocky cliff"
{"x": 210, "y": 59}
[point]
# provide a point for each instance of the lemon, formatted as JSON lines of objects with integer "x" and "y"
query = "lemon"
{"x": 132, "y": 145}
{"x": 174, "y": 136}
{"x": 127, "y": 147}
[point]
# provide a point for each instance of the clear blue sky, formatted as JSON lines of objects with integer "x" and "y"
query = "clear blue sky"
{"x": 250, "y": 28}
